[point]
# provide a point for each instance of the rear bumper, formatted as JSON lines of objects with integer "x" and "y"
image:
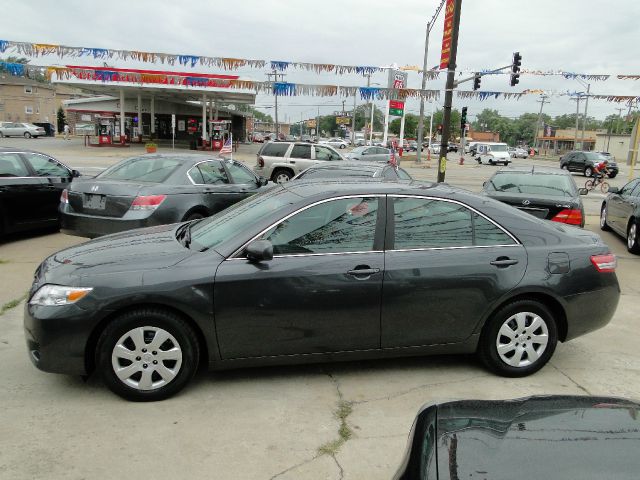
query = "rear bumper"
{"x": 93, "y": 226}
{"x": 590, "y": 311}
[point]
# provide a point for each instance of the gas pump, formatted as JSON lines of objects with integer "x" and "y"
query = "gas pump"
{"x": 105, "y": 127}
{"x": 220, "y": 129}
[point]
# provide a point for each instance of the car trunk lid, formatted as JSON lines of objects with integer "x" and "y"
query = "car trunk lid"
{"x": 544, "y": 207}
{"x": 106, "y": 198}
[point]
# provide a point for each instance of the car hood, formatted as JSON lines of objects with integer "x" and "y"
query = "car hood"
{"x": 559, "y": 437}
{"x": 132, "y": 251}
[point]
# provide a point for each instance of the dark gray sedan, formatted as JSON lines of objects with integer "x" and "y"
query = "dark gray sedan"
{"x": 296, "y": 275}
{"x": 620, "y": 212}
{"x": 154, "y": 190}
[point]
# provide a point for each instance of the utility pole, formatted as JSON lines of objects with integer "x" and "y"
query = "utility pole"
{"x": 575, "y": 138}
{"x": 542, "y": 101}
{"x": 275, "y": 75}
{"x": 448, "y": 96}
{"x": 343, "y": 102}
{"x": 424, "y": 85}
{"x": 318, "y": 125}
{"x": 353, "y": 122}
{"x": 372, "y": 107}
{"x": 584, "y": 121}
{"x": 619, "y": 118}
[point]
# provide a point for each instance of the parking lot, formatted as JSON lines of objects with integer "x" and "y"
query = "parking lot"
{"x": 277, "y": 422}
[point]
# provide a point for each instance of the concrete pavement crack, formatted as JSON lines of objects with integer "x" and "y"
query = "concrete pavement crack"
{"x": 339, "y": 467}
{"x": 571, "y": 380}
{"x": 293, "y": 467}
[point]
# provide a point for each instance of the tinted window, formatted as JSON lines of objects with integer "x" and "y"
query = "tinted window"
{"x": 403, "y": 174}
{"x": 486, "y": 233}
{"x": 532, "y": 184}
{"x": 210, "y": 173}
{"x": 390, "y": 174}
{"x": 275, "y": 149}
{"x": 146, "y": 169}
{"x": 627, "y": 189}
{"x": 381, "y": 151}
{"x": 301, "y": 151}
{"x": 596, "y": 157}
{"x": 11, "y": 166}
{"x": 45, "y": 166}
{"x": 324, "y": 153}
{"x": 240, "y": 173}
{"x": 424, "y": 223}
{"x": 346, "y": 225}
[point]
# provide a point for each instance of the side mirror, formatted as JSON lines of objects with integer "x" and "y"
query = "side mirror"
{"x": 484, "y": 184}
{"x": 75, "y": 173}
{"x": 262, "y": 181}
{"x": 584, "y": 191}
{"x": 259, "y": 251}
{"x": 614, "y": 190}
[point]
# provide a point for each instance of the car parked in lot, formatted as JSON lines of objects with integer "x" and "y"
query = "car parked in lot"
{"x": 295, "y": 275}
{"x": 281, "y": 161}
{"x": 16, "y": 129}
{"x": 335, "y": 142}
{"x": 492, "y": 153}
{"x": 570, "y": 437}
{"x": 351, "y": 169}
{"x": 620, "y": 212}
{"x": 584, "y": 162}
{"x": 517, "y": 152}
{"x": 370, "y": 154}
{"x": 154, "y": 190}
{"x": 547, "y": 193}
{"x": 30, "y": 187}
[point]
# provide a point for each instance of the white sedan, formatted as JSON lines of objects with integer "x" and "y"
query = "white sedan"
{"x": 518, "y": 153}
{"x": 335, "y": 142}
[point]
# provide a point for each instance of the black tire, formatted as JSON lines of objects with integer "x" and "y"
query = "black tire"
{"x": 528, "y": 310}
{"x": 612, "y": 175}
{"x": 564, "y": 166}
{"x": 343, "y": 146}
{"x": 27, "y": 135}
{"x": 192, "y": 216}
{"x": 280, "y": 173}
{"x": 633, "y": 237}
{"x": 149, "y": 318}
{"x": 604, "y": 226}
{"x": 588, "y": 172}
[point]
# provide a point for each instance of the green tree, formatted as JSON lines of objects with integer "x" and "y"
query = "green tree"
{"x": 363, "y": 116}
{"x": 410, "y": 125}
{"x": 261, "y": 117}
{"x": 438, "y": 119}
{"x": 62, "y": 119}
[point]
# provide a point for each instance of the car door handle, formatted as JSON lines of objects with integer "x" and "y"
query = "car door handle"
{"x": 362, "y": 272}
{"x": 292, "y": 161}
{"x": 503, "y": 262}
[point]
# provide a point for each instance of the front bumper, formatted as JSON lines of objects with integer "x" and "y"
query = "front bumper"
{"x": 57, "y": 337}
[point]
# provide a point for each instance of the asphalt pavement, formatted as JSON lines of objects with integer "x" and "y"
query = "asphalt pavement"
{"x": 277, "y": 422}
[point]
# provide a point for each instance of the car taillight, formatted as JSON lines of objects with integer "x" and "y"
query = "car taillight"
{"x": 149, "y": 202}
{"x": 604, "y": 263}
{"x": 260, "y": 162}
{"x": 64, "y": 196}
{"x": 572, "y": 216}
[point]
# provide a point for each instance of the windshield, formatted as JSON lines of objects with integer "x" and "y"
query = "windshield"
{"x": 594, "y": 156}
{"x": 536, "y": 184}
{"x": 498, "y": 148}
{"x": 228, "y": 223}
{"x": 359, "y": 150}
{"x": 146, "y": 169}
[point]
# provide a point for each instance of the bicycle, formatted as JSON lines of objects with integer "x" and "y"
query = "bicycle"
{"x": 594, "y": 182}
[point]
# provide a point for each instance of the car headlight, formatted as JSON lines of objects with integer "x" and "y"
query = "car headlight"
{"x": 58, "y": 295}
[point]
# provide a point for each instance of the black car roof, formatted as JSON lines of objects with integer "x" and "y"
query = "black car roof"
{"x": 21, "y": 150}
{"x": 534, "y": 170}
{"x": 308, "y": 188}
{"x": 347, "y": 164}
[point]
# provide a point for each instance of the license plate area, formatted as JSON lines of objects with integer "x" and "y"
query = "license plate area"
{"x": 91, "y": 201}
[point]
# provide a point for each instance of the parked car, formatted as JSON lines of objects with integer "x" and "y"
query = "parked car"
{"x": 306, "y": 138}
{"x": 517, "y": 152}
{"x": 30, "y": 187}
{"x": 620, "y": 212}
{"x": 547, "y": 193}
{"x": 350, "y": 170}
{"x": 584, "y": 162}
{"x": 471, "y": 148}
{"x": 154, "y": 190}
{"x": 335, "y": 142}
{"x": 413, "y": 146}
{"x": 49, "y": 128}
{"x": 493, "y": 153}
{"x": 258, "y": 138}
{"x": 371, "y": 154}
{"x": 569, "y": 437}
{"x": 26, "y": 130}
{"x": 295, "y": 275}
{"x": 452, "y": 147}
{"x": 281, "y": 161}
{"x": 434, "y": 148}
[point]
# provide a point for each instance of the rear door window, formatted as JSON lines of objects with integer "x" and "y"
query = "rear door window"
{"x": 275, "y": 149}
{"x": 209, "y": 173}
{"x": 301, "y": 151}
{"x": 11, "y": 165}
{"x": 45, "y": 166}
{"x": 240, "y": 174}
{"x": 324, "y": 153}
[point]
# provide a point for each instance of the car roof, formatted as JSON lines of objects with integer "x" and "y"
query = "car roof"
{"x": 351, "y": 186}
{"x": 20, "y": 150}
{"x": 534, "y": 170}
{"x": 347, "y": 164}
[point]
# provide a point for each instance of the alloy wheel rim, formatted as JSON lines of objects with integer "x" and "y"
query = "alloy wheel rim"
{"x": 146, "y": 358}
{"x": 603, "y": 217}
{"x": 282, "y": 177}
{"x": 522, "y": 339}
{"x": 631, "y": 238}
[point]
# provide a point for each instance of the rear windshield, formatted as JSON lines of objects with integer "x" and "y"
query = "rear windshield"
{"x": 145, "y": 169}
{"x": 314, "y": 173}
{"x": 536, "y": 184}
{"x": 274, "y": 149}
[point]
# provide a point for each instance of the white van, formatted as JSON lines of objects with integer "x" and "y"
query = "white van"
{"x": 493, "y": 153}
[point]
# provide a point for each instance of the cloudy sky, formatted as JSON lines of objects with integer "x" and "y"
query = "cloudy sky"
{"x": 582, "y": 36}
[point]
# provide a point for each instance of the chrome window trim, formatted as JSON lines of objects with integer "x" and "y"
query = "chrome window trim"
{"x": 195, "y": 165}
{"x": 422, "y": 249}
{"x": 313, "y": 254}
{"x": 341, "y": 197}
{"x": 427, "y": 197}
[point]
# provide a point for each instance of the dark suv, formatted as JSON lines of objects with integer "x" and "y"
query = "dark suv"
{"x": 585, "y": 161}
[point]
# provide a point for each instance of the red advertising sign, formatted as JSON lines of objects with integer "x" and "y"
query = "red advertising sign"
{"x": 396, "y": 104}
{"x": 446, "y": 34}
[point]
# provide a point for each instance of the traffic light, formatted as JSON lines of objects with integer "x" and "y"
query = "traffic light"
{"x": 463, "y": 118}
{"x": 476, "y": 81}
{"x": 515, "y": 69}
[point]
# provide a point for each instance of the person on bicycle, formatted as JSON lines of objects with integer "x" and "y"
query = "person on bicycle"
{"x": 599, "y": 170}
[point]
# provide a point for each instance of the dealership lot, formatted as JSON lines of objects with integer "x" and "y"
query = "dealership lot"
{"x": 269, "y": 422}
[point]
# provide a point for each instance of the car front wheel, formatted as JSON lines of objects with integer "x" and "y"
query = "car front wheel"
{"x": 519, "y": 339}
{"x": 603, "y": 219}
{"x": 147, "y": 355}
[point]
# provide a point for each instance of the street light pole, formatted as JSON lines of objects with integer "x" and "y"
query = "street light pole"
{"x": 542, "y": 101}
{"x": 424, "y": 85}
{"x": 575, "y": 139}
{"x": 584, "y": 121}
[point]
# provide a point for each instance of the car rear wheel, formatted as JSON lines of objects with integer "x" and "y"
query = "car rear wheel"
{"x": 343, "y": 146}
{"x": 612, "y": 175}
{"x": 147, "y": 355}
{"x": 519, "y": 339}
{"x": 603, "y": 219}
{"x": 588, "y": 172}
{"x": 27, "y": 135}
{"x": 632, "y": 237}
{"x": 564, "y": 166}
{"x": 281, "y": 176}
